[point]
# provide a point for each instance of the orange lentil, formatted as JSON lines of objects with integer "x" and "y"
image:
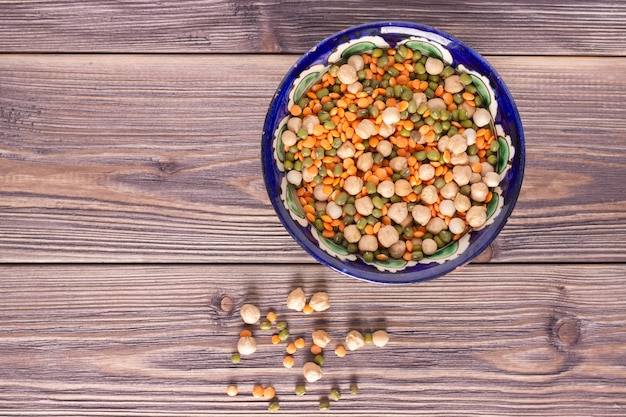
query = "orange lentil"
{"x": 295, "y": 110}
{"x": 257, "y": 391}
{"x": 315, "y": 349}
{"x": 340, "y": 351}
{"x": 245, "y": 333}
{"x": 307, "y": 309}
{"x": 288, "y": 361}
{"x": 271, "y": 315}
{"x": 299, "y": 343}
{"x": 269, "y": 393}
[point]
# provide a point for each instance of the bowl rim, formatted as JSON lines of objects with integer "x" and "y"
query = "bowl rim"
{"x": 367, "y": 272}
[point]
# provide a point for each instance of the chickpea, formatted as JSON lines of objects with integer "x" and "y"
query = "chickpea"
{"x": 453, "y": 84}
{"x": 388, "y": 235}
{"x": 442, "y": 143}
{"x": 380, "y": 338}
{"x": 456, "y": 226}
{"x": 354, "y": 340}
{"x": 384, "y": 148}
{"x": 307, "y": 176}
{"x": 294, "y": 124}
{"x": 446, "y": 207}
{"x": 421, "y": 214}
{"x": 469, "y": 109}
{"x": 486, "y": 167}
{"x": 397, "y": 249}
{"x": 385, "y": 130}
{"x": 246, "y": 345}
{"x": 364, "y": 205}
{"x": 289, "y": 138}
{"x": 457, "y": 144}
{"x": 353, "y": 185}
{"x": 403, "y": 188}
{"x": 434, "y": 66}
{"x": 437, "y": 103}
{"x": 321, "y": 338}
{"x": 398, "y": 212}
{"x": 352, "y": 233}
{"x": 462, "y": 203}
{"x": 436, "y": 225}
{"x": 398, "y": 163}
{"x": 476, "y": 216}
{"x": 429, "y": 246}
{"x": 333, "y": 210}
{"x": 357, "y": 62}
{"x": 450, "y": 190}
{"x": 492, "y": 179}
{"x": 347, "y": 74}
{"x": 419, "y": 98}
{"x": 311, "y": 371}
{"x": 320, "y": 193}
{"x": 479, "y": 191}
{"x": 481, "y": 117}
{"x": 365, "y": 129}
{"x": 294, "y": 177}
{"x": 319, "y": 301}
{"x": 426, "y": 172}
{"x": 462, "y": 174}
{"x": 476, "y": 177}
{"x": 429, "y": 194}
{"x": 346, "y": 150}
{"x": 391, "y": 116}
{"x": 459, "y": 158}
{"x": 309, "y": 123}
{"x": 368, "y": 243}
{"x": 250, "y": 313}
{"x": 355, "y": 88}
{"x": 365, "y": 161}
{"x": 386, "y": 189}
{"x": 470, "y": 135}
{"x": 296, "y": 300}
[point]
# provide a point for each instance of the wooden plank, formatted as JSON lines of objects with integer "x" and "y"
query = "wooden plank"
{"x": 547, "y": 27}
{"x": 486, "y": 340}
{"x": 133, "y": 158}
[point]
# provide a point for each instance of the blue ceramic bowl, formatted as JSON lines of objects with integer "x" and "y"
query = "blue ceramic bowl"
{"x": 429, "y": 41}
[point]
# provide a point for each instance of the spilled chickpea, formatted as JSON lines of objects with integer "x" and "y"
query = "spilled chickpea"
{"x": 275, "y": 325}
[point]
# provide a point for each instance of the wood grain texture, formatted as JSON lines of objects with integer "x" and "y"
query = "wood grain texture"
{"x": 545, "y": 27}
{"x": 487, "y": 340}
{"x": 133, "y": 158}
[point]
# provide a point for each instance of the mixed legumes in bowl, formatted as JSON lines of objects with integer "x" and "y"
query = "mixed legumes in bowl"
{"x": 393, "y": 153}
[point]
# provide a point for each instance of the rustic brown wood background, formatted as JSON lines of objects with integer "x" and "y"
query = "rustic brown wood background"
{"x": 132, "y": 208}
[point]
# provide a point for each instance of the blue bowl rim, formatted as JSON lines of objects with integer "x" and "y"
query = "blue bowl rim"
{"x": 366, "y": 272}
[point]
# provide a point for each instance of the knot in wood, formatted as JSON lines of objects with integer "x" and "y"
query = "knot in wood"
{"x": 568, "y": 331}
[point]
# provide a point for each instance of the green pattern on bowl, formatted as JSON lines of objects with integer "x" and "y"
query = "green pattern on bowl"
{"x": 447, "y": 251}
{"x": 293, "y": 202}
{"x": 305, "y": 84}
{"x": 334, "y": 248}
{"x": 358, "y": 48}
{"x": 424, "y": 47}
{"x": 364, "y": 44}
{"x": 504, "y": 155}
{"x": 280, "y": 149}
{"x": 483, "y": 90}
{"x": 493, "y": 204}
{"x": 390, "y": 264}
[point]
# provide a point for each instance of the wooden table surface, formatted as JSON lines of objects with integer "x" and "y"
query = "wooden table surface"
{"x": 134, "y": 221}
